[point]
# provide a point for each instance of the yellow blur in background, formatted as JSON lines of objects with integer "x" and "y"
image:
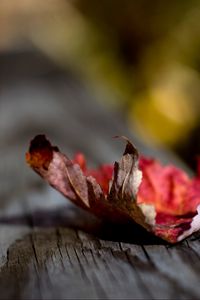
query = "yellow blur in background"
{"x": 169, "y": 110}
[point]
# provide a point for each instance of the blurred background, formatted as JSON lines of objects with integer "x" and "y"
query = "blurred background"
{"x": 139, "y": 58}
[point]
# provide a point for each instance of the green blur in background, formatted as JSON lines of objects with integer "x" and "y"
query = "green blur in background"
{"x": 144, "y": 55}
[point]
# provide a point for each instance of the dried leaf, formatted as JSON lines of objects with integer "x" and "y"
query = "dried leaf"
{"x": 163, "y": 199}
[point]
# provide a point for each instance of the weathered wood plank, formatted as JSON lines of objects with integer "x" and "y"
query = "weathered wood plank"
{"x": 49, "y": 249}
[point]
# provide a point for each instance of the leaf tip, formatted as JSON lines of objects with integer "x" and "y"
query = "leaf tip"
{"x": 130, "y": 148}
{"x": 40, "y": 152}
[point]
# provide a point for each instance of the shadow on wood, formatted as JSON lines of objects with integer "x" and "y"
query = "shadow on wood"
{"x": 76, "y": 218}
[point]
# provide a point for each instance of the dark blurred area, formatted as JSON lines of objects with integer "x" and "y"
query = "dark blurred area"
{"x": 140, "y": 58}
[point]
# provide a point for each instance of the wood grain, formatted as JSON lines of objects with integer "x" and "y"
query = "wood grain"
{"x": 50, "y": 249}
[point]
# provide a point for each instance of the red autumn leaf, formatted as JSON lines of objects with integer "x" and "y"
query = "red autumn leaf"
{"x": 163, "y": 199}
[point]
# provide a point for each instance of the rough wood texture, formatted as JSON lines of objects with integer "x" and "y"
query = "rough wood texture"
{"x": 49, "y": 249}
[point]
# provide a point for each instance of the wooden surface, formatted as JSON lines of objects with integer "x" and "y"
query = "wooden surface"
{"x": 50, "y": 249}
